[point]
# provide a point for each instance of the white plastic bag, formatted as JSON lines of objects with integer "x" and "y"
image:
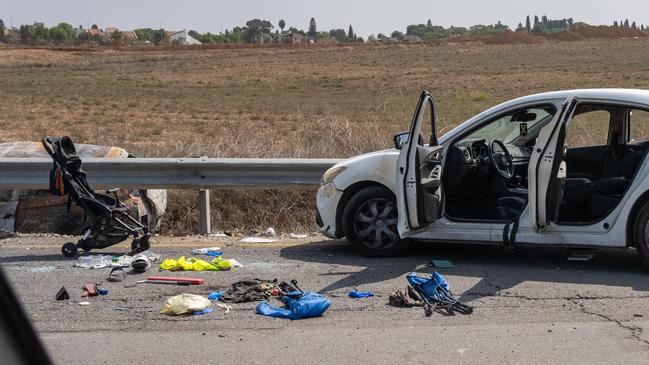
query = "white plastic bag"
{"x": 185, "y": 303}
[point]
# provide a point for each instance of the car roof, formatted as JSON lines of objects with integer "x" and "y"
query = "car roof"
{"x": 630, "y": 95}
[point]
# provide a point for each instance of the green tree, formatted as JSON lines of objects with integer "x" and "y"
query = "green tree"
{"x": 626, "y": 23}
{"x": 313, "y": 30}
{"x": 35, "y": 34}
{"x": 371, "y": 38}
{"x": 396, "y": 34}
{"x": 61, "y": 33}
{"x": 339, "y": 35}
{"x": 2, "y": 30}
{"x": 294, "y": 30}
{"x": 536, "y": 21}
{"x": 633, "y": 25}
{"x": 350, "y": 33}
{"x": 144, "y": 34}
{"x": 117, "y": 37}
{"x": 615, "y": 23}
{"x": 282, "y": 24}
{"x": 159, "y": 36}
{"x": 429, "y": 24}
{"x": 528, "y": 25}
{"x": 257, "y": 27}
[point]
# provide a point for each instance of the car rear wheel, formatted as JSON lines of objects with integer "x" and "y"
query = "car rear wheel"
{"x": 370, "y": 223}
{"x": 641, "y": 234}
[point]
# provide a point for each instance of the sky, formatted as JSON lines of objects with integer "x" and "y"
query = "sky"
{"x": 366, "y": 16}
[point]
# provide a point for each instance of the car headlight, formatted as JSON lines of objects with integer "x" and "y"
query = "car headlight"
{"x": 331, "y": 174}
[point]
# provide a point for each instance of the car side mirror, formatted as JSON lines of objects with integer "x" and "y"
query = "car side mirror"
{"x": 401, "y": 139}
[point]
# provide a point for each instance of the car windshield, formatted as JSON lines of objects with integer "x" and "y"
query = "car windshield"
{"x": 510, "y": 127}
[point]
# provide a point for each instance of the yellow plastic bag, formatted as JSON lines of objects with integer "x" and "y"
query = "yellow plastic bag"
{"x": 185, "y": 303}
{"x": 193, "y": 264}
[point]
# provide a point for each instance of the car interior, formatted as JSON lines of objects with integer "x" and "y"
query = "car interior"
{"x": 485, "y": 173}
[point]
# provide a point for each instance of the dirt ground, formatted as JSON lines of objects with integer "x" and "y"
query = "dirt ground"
{"x": 292, "y": 102}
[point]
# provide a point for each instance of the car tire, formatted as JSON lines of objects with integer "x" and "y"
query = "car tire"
{"x": 641, "y": 234}
{"x": 370, "y": 209}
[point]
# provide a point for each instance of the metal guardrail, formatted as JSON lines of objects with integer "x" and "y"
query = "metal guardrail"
{"x": 174, "y": 173}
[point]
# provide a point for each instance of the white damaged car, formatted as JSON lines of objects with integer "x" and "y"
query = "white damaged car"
{"x": 565, "y": 168}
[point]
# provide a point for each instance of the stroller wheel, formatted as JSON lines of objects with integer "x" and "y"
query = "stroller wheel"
{"x": 141, "y": 243}
{"x": 69, "y": 249}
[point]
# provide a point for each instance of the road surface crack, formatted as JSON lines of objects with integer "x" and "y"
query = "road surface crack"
{"x": 635, "y": 330}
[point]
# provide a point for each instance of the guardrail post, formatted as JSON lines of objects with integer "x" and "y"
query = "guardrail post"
{"x": 204, "y": 211}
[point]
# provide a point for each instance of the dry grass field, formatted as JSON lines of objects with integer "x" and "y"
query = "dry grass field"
{"x": 295, "y": 102}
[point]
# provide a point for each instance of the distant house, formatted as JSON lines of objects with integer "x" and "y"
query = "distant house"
{"x": 129, "y": 36}
{"x": 95, "y": 33}
{"x": 282, "y": 38}
{"x": 108, "y": 33}
{"x": 263, "y": 38}
{"x": 407, "y": 38}
{"x": 182, "y": 37}
{"x": 294, "y": 38}
{"x": 11, "y": 36}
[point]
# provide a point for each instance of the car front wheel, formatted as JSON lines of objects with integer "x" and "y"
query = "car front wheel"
{"x": 370, "y": 223}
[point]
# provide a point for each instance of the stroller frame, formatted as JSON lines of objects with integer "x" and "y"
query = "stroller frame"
{"x": 106, "y": 219}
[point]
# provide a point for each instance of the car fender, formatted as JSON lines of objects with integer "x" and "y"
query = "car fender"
{"x": 379, "y": 167}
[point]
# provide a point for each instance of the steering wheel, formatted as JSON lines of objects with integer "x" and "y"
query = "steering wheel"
{"x": 501, "y": 161}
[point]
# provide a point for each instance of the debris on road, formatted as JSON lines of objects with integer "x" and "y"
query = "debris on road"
{"x": 442, "y": 264}
{"x": 194, "y": 264}
{"x": 89, "y": 290}
{"x": 251, "y": 290}
{"x": 270, "y": 232}
{"x": 96, "y": 261}
{"x": 297, "y": 236}
{"x": 141, "y": 264}
{"x": 406, "y": 298}
{"x": 116, "y": 274}
{"x": 360, "y": 294}
{"x": 436, "y": 294}
{"x": 185, "y": 303}
{"x": 215, "y": 295}
{"x": 207, "y": 251}
{"x": 217, "y": 234}
{"x": 104, "y": 261}
{"x": 102, "y": 291}
{"x": 62, "y": 294}
{"x": 84, "y": 303}
{"x": 580, "y": 257}
{"x": 170, "y": 281}
{"x": 204, "y": 311}
{"x": 298, "y": 306}
{"x": 258, "y": 240}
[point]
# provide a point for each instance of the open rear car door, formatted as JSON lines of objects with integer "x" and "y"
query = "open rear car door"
{"x": 547, "y": 169}
{"x": 419, "y": 173}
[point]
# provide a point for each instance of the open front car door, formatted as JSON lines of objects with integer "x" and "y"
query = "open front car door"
{"x": 419, "y": 174}
{"x": 547, "y": 168}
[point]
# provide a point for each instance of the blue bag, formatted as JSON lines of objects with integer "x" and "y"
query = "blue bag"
{"x": 307, "y": 305}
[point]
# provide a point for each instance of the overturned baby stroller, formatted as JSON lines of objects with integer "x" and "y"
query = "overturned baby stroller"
{"x": 106, "y": 220}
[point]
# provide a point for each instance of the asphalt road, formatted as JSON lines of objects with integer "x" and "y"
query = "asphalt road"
{"x": 530, "y": 306}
